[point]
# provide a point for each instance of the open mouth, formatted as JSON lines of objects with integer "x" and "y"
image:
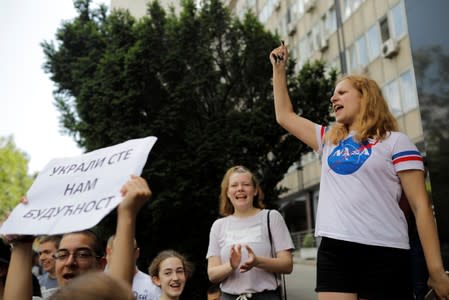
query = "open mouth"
{"x": 241, "y": 197}
{"x": 337, "y": 107}
{"x": 68, "y": 276}
{"x": 175, "y": 285}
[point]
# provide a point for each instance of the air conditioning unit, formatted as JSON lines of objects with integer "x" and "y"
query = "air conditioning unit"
{"x": 390, "y": 48}
{"x": 277, "y": 5}
{"x": 309, "y": 5}
{"x": 323, "y": 44}
{"x": 291, "y": 27}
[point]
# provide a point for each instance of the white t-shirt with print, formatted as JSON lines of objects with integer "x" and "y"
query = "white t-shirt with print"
{"x": 360, "y": 189}
{"x": 144, "y": 288}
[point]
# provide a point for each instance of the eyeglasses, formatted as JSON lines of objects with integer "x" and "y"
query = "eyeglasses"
{"x": 80, "y": 255}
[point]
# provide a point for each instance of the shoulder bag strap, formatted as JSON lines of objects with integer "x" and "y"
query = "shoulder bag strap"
{"x": 273, "y": 254}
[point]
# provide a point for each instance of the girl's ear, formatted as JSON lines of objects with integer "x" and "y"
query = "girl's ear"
{"x": 156, "y": 280}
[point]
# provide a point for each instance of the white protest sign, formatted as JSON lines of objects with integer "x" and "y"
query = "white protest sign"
{"x": 76, "y": 193}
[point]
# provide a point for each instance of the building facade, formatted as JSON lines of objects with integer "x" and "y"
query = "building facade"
{"x": 366, "y": 37}
{"x": 370, "y": 37}
{"x": 138, "y": 8}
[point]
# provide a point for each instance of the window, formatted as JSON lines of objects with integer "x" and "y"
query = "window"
{"x": 351, "y": 58}
{"x": 349, "y": 7}
{"x": 304, "y": 51}
{"x": 293, "y": 52}
{"x": 316, "y": 37}
{"x": 346, "y": 9}
{"x": 401, "y": 94}
{"x": 398, "y": 21}
{"x": 357, "y": 55}
{"x": 362, "y": 55}
{"x": 282, "y": 25}
{"x": 289, "y": 16}
{"x": 329, "y": 20}
{"x": 310, "y": 46}
{"x": 298, "y": 7}
{"x": 408, "y": 91}
{"x": 372, "y": 38}
{"x": 384, "y": 29}
{"x": 267, "y": 11}
{"x": 391, "y": 94}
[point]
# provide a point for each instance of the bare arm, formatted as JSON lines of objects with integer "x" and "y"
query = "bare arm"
{"x": 135, "y": 194}
{"x": 218, "y": 271}
{"x": 412, "y": 182}
{"x": 300, "y": 127}
{"x": 282, "y": 263}
{"x": 19, "y": 284}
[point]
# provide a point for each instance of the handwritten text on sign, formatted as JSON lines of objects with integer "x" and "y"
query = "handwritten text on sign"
{"x": 73, "y": 194}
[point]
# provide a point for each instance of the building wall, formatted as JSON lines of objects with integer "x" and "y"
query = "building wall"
{"x": 427, "y": 23}
{"x": 351, "y": 36}
{"x": 344, "y": 33}
{"x": 138, "y": 8}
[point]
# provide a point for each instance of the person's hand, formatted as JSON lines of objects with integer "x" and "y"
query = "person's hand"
{"x": 440, "y": 284}
{"x": 235, "y": 256}
{"x": 251, "y": 262}
{"x": 15, "y": 238}
{"x": 135, "y": 193}
{"x": 279, "y": 56}
{"x": 11, "y": 239}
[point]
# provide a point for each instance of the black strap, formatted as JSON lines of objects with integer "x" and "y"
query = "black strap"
{"x": 273, "y": 254}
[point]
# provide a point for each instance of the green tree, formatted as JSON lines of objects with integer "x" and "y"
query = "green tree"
{"x": 14, "y": 178}
{"x": 200, "y": 82}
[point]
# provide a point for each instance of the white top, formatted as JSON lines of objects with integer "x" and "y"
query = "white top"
{"x": 144, "y": 288}
{"x": 360, "y": 189}
{"x": 48, "y": 285}
{"x": 251, "y": 231}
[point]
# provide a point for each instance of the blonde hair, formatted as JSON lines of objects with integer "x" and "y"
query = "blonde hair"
{"x": 374, "y": 120}
{"x": 226, "y": 208}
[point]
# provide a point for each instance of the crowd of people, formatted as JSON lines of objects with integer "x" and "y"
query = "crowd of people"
{"x": 75, "y": 265}
{"x": 367, "y": 167}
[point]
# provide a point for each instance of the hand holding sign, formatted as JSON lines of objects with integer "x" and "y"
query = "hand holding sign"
{"x": 135, "y": 194}
{"x": 86, "y": 187}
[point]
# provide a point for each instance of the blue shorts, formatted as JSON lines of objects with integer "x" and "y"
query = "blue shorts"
{"x": 371, "y": 272}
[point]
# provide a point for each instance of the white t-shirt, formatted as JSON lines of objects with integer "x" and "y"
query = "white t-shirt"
{"x": 144, "y": 288}
{"x": 48, "y": 285}
{"x": 251, "y": 231}
{"x": 360, "y": 190}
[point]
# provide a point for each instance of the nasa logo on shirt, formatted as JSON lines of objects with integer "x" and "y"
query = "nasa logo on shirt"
{"x": 349, "y": 156}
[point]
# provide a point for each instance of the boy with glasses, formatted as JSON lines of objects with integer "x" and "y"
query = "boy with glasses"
{"x": 81, "y": 252}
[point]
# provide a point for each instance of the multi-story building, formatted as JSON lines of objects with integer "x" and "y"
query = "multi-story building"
{"x": 399, "y": 43}
{"x": 384, "y": 39}
{"x": 138, "y": 8}
{"x": 355, "y": 36}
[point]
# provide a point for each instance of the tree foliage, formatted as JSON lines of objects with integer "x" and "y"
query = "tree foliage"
{"x": 200, "y": 82}
{"x": 14, "y": 178}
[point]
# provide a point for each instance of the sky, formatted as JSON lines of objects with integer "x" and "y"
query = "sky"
{"x": 27, "y": 110}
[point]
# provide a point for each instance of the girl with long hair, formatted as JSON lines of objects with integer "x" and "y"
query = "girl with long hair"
{"x": 366, "y": 163}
